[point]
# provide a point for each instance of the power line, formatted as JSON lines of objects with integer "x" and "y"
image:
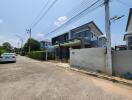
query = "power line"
{"x": 89, "y": 9}
{"x": 41, "y": 11}
{"x": 44, "y": 14}
{"x": 123, "y": 3}
{"x": 79, "y": 7}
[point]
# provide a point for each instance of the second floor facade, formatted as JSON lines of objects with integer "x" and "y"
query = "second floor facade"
{"x": 89, "y": 33}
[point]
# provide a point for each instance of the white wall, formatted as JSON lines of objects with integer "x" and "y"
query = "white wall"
{"x": 94, "y": 59}
{"x": 122, "y": 62}
{"x": 88, "y": 59}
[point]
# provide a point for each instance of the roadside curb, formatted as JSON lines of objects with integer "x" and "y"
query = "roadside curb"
{"x": 99, "y": 75}
{"x": 110, "y": 78}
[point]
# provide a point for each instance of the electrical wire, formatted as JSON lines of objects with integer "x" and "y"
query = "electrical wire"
{"x": 44, "y": 14}
{"x": 41, "y": 11}
{"x": 79, "y": 7}
{"x": 123, "y": 3}
{"x": 89, "y": 9}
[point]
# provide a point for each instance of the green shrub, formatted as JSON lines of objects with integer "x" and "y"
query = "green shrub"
{"x": 51, "y": 56}
{"x": 2, "y": 50}
{"x": 39, "y": 55}
{"x": 23, "y": 53}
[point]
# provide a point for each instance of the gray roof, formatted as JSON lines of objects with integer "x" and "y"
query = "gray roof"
{"x": 129, "y": 17}
{"x": 92, "y": 26}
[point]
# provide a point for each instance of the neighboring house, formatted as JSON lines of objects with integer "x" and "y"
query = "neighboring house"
{"x": 128, "y": 35}
{"x": 102, "y": 41}
{"x": 120, "y": 47}
{"x": 46, "y": 45}
{"x": 85, "y": 36}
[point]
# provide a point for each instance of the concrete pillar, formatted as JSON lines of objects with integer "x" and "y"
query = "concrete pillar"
{"x": 69, "y": 35}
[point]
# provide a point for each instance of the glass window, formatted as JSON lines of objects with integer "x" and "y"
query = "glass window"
{"x": 97, "y": 38}
{"x": 92, "y": 35}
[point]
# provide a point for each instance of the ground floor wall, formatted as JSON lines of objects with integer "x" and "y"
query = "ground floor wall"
{"x": 94, "y": 59}
{"x": 122, "y": 62}
{"x": 62, "y": 53}
{"x": 89, "y": 59}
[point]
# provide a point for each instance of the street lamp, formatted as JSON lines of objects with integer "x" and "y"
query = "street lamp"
{"x": 115, "y": 18}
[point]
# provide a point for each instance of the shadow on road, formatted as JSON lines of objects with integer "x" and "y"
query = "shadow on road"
{"x": 7, "y": 62}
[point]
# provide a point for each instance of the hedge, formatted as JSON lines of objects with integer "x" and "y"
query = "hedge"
{"x": 40, "y": 55}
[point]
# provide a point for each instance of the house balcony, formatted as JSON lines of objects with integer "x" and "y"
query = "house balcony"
{"x": 73, "y": 42}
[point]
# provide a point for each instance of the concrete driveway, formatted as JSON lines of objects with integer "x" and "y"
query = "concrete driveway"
{"x": 34, "y": 80}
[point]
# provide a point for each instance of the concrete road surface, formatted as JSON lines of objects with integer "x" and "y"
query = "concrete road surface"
{"x": 33, "y": 80}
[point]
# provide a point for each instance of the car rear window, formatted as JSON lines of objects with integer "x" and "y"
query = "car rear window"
{"x": 8, "y": 54}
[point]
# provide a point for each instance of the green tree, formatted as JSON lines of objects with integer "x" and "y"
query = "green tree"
{"x": 2, "y": 50}
{"x": 7, "y": 46}
{"x": 34, "y": 45}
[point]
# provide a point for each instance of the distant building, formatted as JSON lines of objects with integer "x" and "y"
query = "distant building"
{"x": 120, "y": 47}
{"x": 85, "y": 36}
{"x": 102, "y": 41}
{"x": 46, "y": 45}
{"x": 128, "y": 35}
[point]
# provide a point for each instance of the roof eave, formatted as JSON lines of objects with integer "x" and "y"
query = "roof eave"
{"x": 130, "y": 13}
{"x": 97, "y": 28}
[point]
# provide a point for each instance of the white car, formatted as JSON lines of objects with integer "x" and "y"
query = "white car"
{"x": 8, "y": 57}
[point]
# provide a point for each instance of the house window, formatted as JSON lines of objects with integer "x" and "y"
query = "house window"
{"x": 92, "y": 35}
{"x": 85, "y": 33}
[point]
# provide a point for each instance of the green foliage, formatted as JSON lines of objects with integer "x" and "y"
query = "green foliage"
{"x": 23, "y": 53}
{"x": 7, "y": 46}
{"x": 39, "y": 55}
{"x": 34, "y": 45}
{"x": 17, "y": 50}
{"x": 51, "y": 56}
{"x": 2, "y": 50}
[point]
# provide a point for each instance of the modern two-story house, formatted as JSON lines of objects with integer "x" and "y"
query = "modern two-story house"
{"x": 128, "y": 35}
{"x": 85, "y": 36}
{"x": 46, "y": 45}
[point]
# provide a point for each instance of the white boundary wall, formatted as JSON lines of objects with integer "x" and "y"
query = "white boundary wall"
{"x": 93, "y": 59}
{"x": 122, "y": 62}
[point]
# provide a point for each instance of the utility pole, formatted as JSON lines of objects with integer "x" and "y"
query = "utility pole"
{"x": 22, "y": 40}
{"x": 18, "y": 47}
{"x": 29, "y": 31}
{"x": 22, "y": 46}
{"x": 108, "y": 35}
{"x": 46, "y": 54}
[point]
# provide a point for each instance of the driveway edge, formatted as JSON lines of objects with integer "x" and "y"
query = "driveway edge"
{"x": 95, "y": 74}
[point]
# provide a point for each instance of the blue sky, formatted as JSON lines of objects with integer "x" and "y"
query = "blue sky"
{"x": 17, "y": 15}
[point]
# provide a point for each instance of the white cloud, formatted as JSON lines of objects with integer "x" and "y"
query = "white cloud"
{"x": 61, "y": 20}
{"x": 1, "y": 21}
{"x": 73, "y": 27}
{"x": 40, "y": 35}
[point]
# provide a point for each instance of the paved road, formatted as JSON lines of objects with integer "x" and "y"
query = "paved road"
{"x": 33, "y": 80}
